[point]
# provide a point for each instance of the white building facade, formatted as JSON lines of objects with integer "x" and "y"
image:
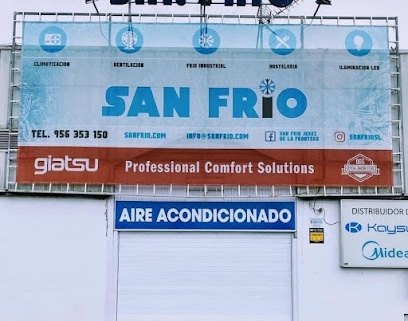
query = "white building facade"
{"x": 201, "y": 252}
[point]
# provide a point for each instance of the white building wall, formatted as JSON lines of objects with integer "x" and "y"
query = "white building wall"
{"x": 53, "y": 259}
{"x": 328, "y": 292}
{"x": 57, "y": 262}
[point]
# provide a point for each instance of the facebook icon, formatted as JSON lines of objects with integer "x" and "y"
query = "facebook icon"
{"x": 270, "y": 136}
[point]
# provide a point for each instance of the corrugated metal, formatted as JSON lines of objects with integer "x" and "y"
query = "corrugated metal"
{"x": 5, "y": 135}
{"x": 204, "y": 276}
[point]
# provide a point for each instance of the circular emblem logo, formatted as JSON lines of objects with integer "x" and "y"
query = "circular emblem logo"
{"x": 53, "y": 39}
{"x": 370, "y": 250}
{"x": 206, "y": 41}
{"x": 359, "y": 43}
{"x": 282, "y": 42}
{"x": 129, "y": 40}
{"x": 353, "y": 227}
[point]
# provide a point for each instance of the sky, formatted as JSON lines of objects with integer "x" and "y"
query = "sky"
{"x": 349, "y": 8}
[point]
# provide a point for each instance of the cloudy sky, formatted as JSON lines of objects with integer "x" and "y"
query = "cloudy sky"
{"x": 349, "y": 8}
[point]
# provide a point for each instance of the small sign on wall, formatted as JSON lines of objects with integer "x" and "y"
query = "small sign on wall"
{"x": 374, "y": 233}
{"x": 316, "y": 235}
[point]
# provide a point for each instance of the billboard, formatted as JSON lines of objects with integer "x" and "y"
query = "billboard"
{"x": 374, "y": 233}
{"x": 229, "y": 216}
{"x": 150, "y": 103}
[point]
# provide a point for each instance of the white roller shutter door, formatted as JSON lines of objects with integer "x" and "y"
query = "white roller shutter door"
{"x": 197, "y": 276}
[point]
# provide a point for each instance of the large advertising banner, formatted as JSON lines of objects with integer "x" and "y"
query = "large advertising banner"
{"x": 150, "y": 103}
{"x": 374, "y": 233}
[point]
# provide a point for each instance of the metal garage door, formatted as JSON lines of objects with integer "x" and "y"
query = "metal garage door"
{"x": 198, "y": 276}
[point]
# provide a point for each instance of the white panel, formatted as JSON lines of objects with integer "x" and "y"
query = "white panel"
{"x": 4, "y": 84}
{"x": 204, "y": 276}
{"x": 374, "y": 233}
{"x": 53, "y": 259}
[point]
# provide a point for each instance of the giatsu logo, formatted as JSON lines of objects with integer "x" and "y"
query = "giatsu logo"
{"x": 44, "y": 165}
{"x": 237, "y": 102}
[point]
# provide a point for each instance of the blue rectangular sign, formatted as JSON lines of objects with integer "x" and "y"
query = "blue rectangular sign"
{"x": 262, "y": 216}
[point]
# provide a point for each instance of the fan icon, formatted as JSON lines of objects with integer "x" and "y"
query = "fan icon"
{"x": 129, "y": 39}
{"x": 55, "y": 39}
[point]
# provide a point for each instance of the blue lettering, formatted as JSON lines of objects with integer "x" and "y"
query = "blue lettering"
{"x": 227, "y": 3}
{"x": 143, "y": 102}
{"x": 174, "y": 102}
{"x": 244, "y": 101}
{"x": 292, "y": 103}
{"x": 117, "y": 105}
{"x": 215, "y": 101}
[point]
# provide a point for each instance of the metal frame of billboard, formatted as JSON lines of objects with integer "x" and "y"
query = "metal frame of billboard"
{"x": 205, "y": 190}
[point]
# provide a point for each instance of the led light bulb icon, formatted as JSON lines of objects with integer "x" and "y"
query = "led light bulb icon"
{"x": 358, "y": 41}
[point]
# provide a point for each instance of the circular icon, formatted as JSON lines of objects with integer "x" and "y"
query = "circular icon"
{"x": 280, "y": 3}
{"x": 353, "y": 227}
{"x": 206, "y": 41}
{"x": 282, "y": 42}
{"x": 129, "y": 40}
{"x": 53, "y": 39}
{"x": 370, "y": 250}
{"x": 291, "y": 103}
{"x": 358, "y": 43}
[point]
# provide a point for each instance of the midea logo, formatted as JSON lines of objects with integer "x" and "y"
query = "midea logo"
{"x": 371, "y": 250}
{"x": 44, "y": 165}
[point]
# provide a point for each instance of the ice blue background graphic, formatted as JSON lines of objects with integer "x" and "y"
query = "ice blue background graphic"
{"x": 314, "y": 88}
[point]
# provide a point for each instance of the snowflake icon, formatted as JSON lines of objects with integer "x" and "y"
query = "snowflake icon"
{"x": 206, "y": 40}
{"x": 267, "y": 87}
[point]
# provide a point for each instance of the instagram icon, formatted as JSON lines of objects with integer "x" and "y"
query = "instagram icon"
{"x": 339, "y": 136}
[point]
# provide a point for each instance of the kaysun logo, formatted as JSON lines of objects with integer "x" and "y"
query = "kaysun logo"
{"x": 371, "y": 250}
{"x": 353, "y": 227}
